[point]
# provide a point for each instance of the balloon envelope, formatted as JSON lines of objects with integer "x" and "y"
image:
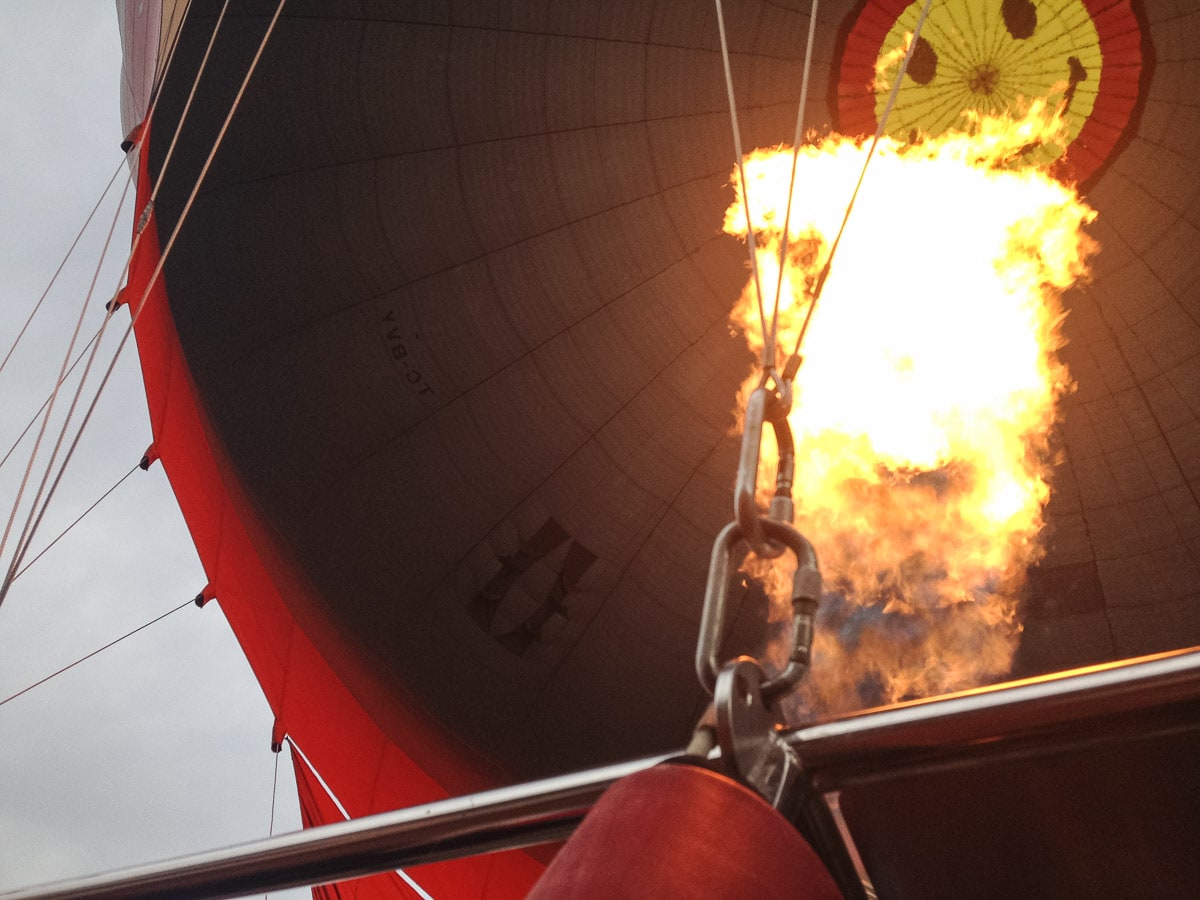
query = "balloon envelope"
{"x": 440, "y": 366}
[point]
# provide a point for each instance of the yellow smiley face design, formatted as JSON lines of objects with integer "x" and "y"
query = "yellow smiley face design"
{"x": 992, "y": 57}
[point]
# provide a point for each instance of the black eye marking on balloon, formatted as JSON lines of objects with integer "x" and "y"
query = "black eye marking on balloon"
{"x": 1078, "y": 74}
{"x": 1020, "y": 18}
{"x": 922, "y": 67}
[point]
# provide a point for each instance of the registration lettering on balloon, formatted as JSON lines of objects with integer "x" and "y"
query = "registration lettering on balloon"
{"x": 398, "y": 350}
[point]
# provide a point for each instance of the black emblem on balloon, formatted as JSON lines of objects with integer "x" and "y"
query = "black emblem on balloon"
{"x": 486, "y": 603}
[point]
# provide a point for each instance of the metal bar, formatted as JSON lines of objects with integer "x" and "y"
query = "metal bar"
{"x": 1045, "y": 709}
{"x": 503, "y": 819}
{"x": 834, "y": 754}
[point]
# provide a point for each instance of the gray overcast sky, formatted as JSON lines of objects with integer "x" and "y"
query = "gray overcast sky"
{"x": 160, "y": 745}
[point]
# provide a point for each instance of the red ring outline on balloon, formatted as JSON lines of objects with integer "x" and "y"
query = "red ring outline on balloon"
{"x": 1127, "y": 63}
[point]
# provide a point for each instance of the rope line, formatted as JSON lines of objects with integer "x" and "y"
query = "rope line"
{"x": 112, "y": 306}
{"x": 274, "y": 789}
{"x": 66, "y": 364}
{"x": 111, "y": 643}
{"x": 768, "y": 351}
{"x": 49, "y": 410}
{"x": 787, "y": 216}
{"x": 136, "y": 313}
{"x": 887, "y": 110}
{"x": 137, "y": 238}
{"x": 29, "y": 530}
{"x": 63, "y": 533}
{"x": 33, "y": 419}
{"x": 62, "y": 264}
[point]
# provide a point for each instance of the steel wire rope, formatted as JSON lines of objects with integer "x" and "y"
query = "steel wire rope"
{"x": 887, "y": 110}
{"x": 274, "y": 793}
{"x": 112, "y": 643}
{"x": 425, "y": 895}
{"x": 162, "y": 172}
{"x": 274, "y": 790}
{"x": 62, "y": 534}
{"x": 787, "y": 216}
{"x": 153, "y": 194}
{"x": 49, "y": 410}
{"x": 62, "y": 264}
{"x": 768, "y": 351}
{"x": 35, "y": 515}
{"x": 33, "y": 419}
{"x": 136, "y": 313}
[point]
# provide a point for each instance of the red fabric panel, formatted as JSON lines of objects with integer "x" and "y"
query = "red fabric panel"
{"x": 250, "y": 576}
{"x": 317, "y": 808}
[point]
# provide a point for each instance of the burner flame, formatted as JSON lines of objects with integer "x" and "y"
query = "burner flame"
{"x": 927, "y": 396}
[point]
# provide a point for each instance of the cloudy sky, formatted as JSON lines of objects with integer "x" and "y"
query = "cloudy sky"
{"x": 159, "y": 746}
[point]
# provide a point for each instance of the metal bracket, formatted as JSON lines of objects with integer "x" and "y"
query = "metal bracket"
{"x": 752, "y": 749}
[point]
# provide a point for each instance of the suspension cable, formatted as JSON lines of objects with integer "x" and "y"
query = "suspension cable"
{"x": 274, "y": 792}
{"x": 154, "y": 192}
{"x": 81, "y": 659}
{"x": 133, "y": 250}
{"x": 768, "y": 351}
{"x": 787, "y": 216}
{"x": 50, "y": 409}
{"x": 33, "y": 419}
{"x": 62, "y": 534}
{"x": 136, "y": 312}
{"x": 62, "y": 264}
{"x": 274, "y": 789}
{"x": 887, "y": 110}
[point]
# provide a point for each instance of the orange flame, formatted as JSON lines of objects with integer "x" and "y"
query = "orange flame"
{"x": 927, "y": 393}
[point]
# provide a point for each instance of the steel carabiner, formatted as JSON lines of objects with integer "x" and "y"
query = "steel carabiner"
{"x": 806, "y": 592}
{"x": 770, "y": 407}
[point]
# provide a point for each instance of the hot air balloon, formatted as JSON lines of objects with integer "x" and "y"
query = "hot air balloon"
{"x": 432, "y": 306}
